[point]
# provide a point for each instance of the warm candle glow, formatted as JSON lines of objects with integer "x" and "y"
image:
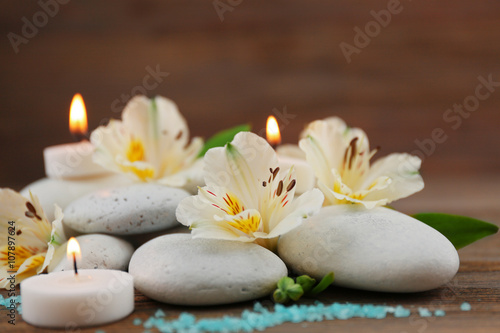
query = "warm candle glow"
{"x": 273, "y": 131}
{"x": 78, "y": 117}
{"x": 73, "y": 249}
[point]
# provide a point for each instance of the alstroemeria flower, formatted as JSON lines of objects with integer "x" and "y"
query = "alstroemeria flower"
{"x": 341, "y": 155}
{"x": 247, "y": 197}
{"x": 27, "y": 239}
{"x": 150, "y": 143}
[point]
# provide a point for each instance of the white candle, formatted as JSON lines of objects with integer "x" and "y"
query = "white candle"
{"x": 70, "y": 169}
{"x": 73, "y": 160}
{"x": 65, "y": 300}
{"x": 78, "y": 298}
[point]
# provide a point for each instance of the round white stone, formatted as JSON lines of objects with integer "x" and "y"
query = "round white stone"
{"x": 135, "y": 209}
{"x": 98, "y": 252}
{"x": 62, "y": 192}
{"x": 378, "y": 249}
{"x": 177, "y": 269}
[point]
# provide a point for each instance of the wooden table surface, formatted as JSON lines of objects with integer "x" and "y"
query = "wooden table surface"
{"x": 477, "y": 282}
{"x": 277, "y": 56}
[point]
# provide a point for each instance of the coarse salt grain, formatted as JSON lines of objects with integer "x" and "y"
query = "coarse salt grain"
{"x": 261, "y": 318}
{"x": 465, "y": 306}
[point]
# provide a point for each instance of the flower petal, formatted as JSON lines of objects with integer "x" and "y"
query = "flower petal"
{"x": 110, "y": 142}
{"x": 57, "y": 237}
{"x": 194, "y": 209}
{"x": 317, "y": 159}
{"x": 151, "y": 143}
{"x": 402, "y": 169}
{"x": 332, "y": 136}
{"x": 241, "y": 166}
{"x": 189, "y": 179}
{"x": 300, "y": 209}
{"x": 30, "y": 267}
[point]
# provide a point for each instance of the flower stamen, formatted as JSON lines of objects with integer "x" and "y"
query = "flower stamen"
{"x": 247, "y": 225}
{"x": 135, "y": 151}
{"x": 280, "y": 188}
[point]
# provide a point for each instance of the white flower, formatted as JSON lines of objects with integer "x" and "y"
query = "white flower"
{"x": 247, "y": 198}
{"x": 27, "y": 239}
{"x": 341, "y": 157}
{"x": 151, "y": 143}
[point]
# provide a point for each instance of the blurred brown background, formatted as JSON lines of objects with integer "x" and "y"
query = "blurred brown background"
{"x": 262, "y": 55}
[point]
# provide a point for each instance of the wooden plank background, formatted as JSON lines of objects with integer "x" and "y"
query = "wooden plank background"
{"x": 268, "y": 55}
{"x": 264, "y": 55}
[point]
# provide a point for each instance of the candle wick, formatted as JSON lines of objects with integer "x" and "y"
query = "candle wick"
{"x": 74, "y": 264}
{"x": 80, "y": 136}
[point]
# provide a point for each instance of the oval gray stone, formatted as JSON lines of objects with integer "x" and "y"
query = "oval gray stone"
{"x": 378, "y": 249}
{"x": 98, "y": 252}
{"x": 177, "y": 269}
{"x": 62, "y": 192}
{"x": 135, "y": 209}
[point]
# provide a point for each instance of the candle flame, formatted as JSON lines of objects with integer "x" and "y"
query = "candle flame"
{"x": 273, "y": 131}
{"x": 78, "y": 117}
{"x": 73, "y": 249}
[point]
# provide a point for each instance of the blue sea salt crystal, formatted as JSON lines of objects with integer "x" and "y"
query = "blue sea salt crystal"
{"x": 261, "y": 318}
{"x": 465, "y": 306}
{"x": 159, "y": 313}
{"x": 149, "y": 323}
{"x": 439, "y": 313}
{"x": 187, "y": 319}
{"x": 424, "y": 312}
{"x": 8, "y": 301}
{"x": 400, "y": 312}
{"x": 372, "y": 311}
{"x": 137, "y": 321}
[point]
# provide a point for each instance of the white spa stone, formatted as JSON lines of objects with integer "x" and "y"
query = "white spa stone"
{"x": 136, "y": 209}
{"x": 98, "y": 252}
{"x": 378, "y": 250}
{"x": 61, "y": 192}
{"x": 177, "y": 269}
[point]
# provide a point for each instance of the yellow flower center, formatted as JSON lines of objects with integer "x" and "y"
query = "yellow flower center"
{"x": 234, "y": 206}
{"x": 248, "y": 225}
{"x": 135, "y": 151}
{"x": 142, "y": 174}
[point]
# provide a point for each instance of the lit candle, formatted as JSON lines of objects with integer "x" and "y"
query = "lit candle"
{"x": 288, "y": 156}
{"x": 71, "y": 299}
{"x": 69, "y": 167}
{"x": 73, "y": 160}
{"x": 273, "y": 134}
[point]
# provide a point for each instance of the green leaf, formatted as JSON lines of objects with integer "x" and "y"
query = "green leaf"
{"x": 280, "y": 296}
{"x": 285, "y": 282}
{"x": 295, "y": 292}
{"x": 306, "y": 282}
{"x": 287, "y": 289}
{"x": 460, "y": 230}
{"x": 323, "y": 284}
{"x": 223, "y": 137}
